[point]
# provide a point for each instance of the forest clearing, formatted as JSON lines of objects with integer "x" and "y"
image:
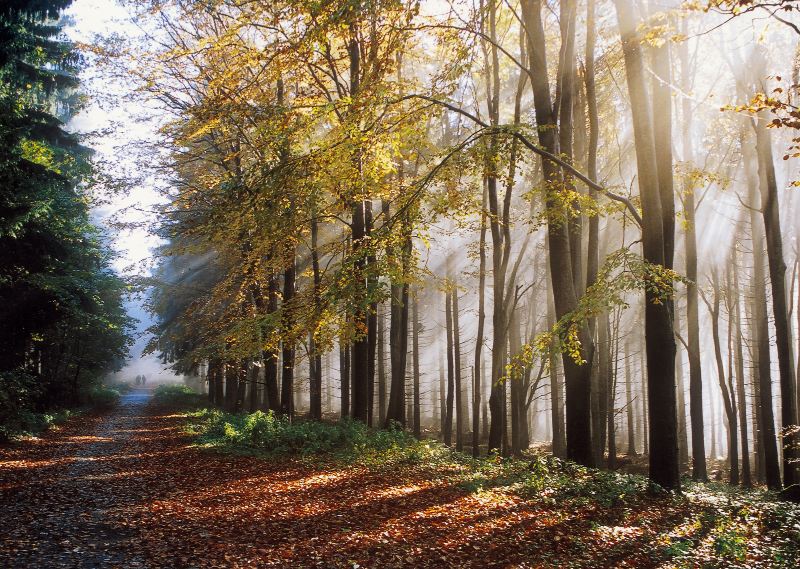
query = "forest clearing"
{"x": 399, "y": 283}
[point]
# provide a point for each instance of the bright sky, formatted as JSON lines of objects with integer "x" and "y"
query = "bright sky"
{"x": 107, "y": 110}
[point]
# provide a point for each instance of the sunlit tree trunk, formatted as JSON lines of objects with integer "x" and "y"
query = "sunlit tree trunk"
{"x": 577, "y": 376}
{"x": 457, "y": 369}
{"x": 477, "y": 384}
{"x": 660, "y": 343}
{"x": 777, "y": 278}
{"x": 415, "y": 329}
{"x": 766, "y": 425}
{"x": 447, "y": 433}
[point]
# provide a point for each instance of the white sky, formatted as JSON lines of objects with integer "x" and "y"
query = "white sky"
{"x": 107, "y": 110}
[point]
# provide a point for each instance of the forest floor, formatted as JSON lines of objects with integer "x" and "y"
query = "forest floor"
{"x": 131, "y": 489}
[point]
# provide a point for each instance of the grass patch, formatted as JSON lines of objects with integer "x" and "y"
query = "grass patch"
{"x": 178, "y": 395}
{"x": 345, "y": 441}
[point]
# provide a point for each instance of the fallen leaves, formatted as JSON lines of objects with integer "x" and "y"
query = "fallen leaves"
{"x": 128, "y": 490}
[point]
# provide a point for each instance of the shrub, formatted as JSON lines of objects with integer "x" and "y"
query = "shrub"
{"x": 103, "y": 398}
{"x": 178, "y": 395}
{"x": 345, "y": 440}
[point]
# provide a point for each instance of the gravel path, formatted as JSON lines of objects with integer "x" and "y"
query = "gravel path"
{"x": 64, "y": 496}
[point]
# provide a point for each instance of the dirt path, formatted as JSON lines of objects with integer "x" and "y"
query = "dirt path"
{"x": 64, "y": 496}
{"x": 128, "y": 490}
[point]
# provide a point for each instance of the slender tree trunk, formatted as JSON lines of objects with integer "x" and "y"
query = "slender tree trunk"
{"x": 629, "y": 404}
{"x": 381, "y": 365}
{"x": 287, "y": 357}
{"x": 448, "y": 414}
{"x": 372, "y": 317}
{"x": 344, "y": 371}
{"x": 728, "y": 401}
{"x": 477, "y": 385}
{"x": 733, "y": 294}
{"x": 777, "y": 277}
{"x": 579, "y": 433}
{"x": 457, "y": 369}
{"x": 415, "y": 347}
{"x": 660, "y": 343}
{"x": 315, "y": 383}
{"x": 766, "y": 426}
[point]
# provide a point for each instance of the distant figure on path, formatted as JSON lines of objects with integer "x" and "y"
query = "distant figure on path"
{"x": 138, "y": 380}
{"x": 144, "y": 379}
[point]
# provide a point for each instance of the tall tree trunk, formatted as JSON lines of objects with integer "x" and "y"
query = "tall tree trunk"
{"x": 381, "y": 365}
{"x": 611, "y": 392}
{"x": 579, "y": 432}
{"x": 629, "y": 403}
{"x": 372, "y": 316}
{"x": 477, "y": 384}
{"x": 315, "y": 383}
{"x": 556, "y": 418}
{"x": 699, "y": 470}
{"x": 415, "y": 329}
{"x": 766, "y": 425}
{"x": 448, "y": 414}
{"x": 660, "y": 343}
{"x": 777, "y": 277}
{"x": 457, "y": 369}
{"x": 398, "y": 337}
{"x": 733, "y": 294}
{"x": 287, "y": 357}
{"x": 344, "y": 374}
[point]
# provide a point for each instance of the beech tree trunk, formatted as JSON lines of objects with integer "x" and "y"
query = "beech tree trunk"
{"x": 777, "y": 277}
{"x": 287, "y": 356}
{"x": 448, "y": 414}
{"x": 457, "y": 369}
{"x": 766, "y": 425}
{"x": 660, "y": 343}
{"x": 578, "y": 424}
{"x": 415, "y": 329}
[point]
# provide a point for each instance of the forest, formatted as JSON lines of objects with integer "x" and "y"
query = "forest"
{"x": 527, "y": 259}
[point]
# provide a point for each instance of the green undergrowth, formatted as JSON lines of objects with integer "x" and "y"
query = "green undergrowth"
{"x": 348, "y": 442}
{"x": 717, "y": 525}
{"x": 178, "y": 395}
{"x": 19, "y": 421}
{"x": 30, "y": 423}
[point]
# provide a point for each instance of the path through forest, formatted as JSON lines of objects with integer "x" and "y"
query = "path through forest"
{"x": 128, "y": 490}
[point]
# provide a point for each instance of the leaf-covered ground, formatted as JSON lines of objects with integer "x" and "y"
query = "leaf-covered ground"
{"x": 130, "y": 489}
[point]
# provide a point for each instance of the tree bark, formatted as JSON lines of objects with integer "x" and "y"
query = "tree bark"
{"x": 660, "y": 343}
{"x": 457, "y": 369}
{"x": 448, "y": 414}
{"x": 577, "y": 376}
{"x": 777, "y": 276}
